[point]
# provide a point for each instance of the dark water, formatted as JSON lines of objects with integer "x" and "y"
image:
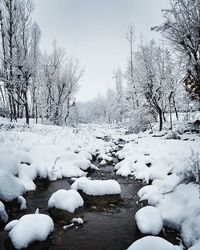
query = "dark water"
{"x": 112, "y": 227}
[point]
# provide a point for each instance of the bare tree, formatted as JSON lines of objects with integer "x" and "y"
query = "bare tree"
{"x": 62, "y": 75}
{"x": 131, "y": 93}
{"x": 182, "y": 28}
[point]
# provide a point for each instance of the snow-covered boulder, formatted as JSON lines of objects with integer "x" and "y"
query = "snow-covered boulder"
{"x": 98, "y": 192}
{"x": 149, "y": 220}
{"x": 11, "y": 187}
{"x": 3, "y": 213}
{"x": 97, "y": 187}
{"x": 67, "y": 200}
{"x": 29, "y": 228}
{"x": 64, "y": 204}
{"x": 153, "y": 243}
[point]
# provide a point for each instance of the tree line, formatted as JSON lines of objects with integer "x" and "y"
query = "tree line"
{"x": 160, "y": 79}
{"x": 33, "y": 84}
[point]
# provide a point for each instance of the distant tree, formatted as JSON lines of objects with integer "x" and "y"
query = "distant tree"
{"x": 152, "y": 70}
{"x": 131, "y": 94}
{"x": 61, "y": 77}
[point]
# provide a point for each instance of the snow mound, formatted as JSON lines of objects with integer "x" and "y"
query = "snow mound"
{"x": 67, "y": 200}
{"x": 10, "y": 187}
{"x": 97, "y": 187}
{"x": 153, "y": 243}
{"x": 149, "y": 220}
{"x": 29, "y": 228}
{"x": 27, "y": 174}
{"x": 3, "y": 213}
{"x": 190, "y": 231}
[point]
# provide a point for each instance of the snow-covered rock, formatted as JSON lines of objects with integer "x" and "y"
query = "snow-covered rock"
{"x": 67, "y": 200}
{"x": 97, "y": 187}
{"x": 78, "y": 221}
{"x": 153, "y": 243}
{"x": 29, "y": 228}
{"x": 149, "y": 220}
{"x": 11, "y": 187}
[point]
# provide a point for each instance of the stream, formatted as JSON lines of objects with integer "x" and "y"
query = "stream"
{"x": 111, "y": 227}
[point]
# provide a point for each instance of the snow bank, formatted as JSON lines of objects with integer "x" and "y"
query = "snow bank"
{"x": 195, "y": 247}
{"x": 3, "y": 213}
{"x": 29, "y": 228}
{"x": 97, "y": 187}
{"x": 153, "y": 243}
{"x": 8, "y": 161}
{"x": 149, "y": 220}
{"x": 27, "y": 174}
{"x": 67, "y": 200}
{"x": 11, "y": 187}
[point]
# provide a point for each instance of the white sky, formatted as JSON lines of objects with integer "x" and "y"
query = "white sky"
{"x": 94, "y": 32}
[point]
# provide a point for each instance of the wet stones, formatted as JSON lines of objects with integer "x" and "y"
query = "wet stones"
{"x": 100, "y": 200}
{"x": 64, "y": 205}
{"x": 62, "y": 216}
{"x": 98, "y": 192}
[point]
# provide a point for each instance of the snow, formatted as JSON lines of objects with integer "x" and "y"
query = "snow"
{"x": 56, "y": 152}
{"x": 27, "y": 174}
{"x": 195, "y": 247}
{"x": 104, "y": 157}
{"x": 67, "y": 200}
{"x": 3, "y": 213}
{"x": 153, "y": 243}
{"x": 22, "y": 201}
{"x": 96, "y": 187}
{"x": 11, "y": 187}
{"x": 29, "y": 228}
{"x": 149, "y": 220}
{"x": 190, "y": 230}
{"x": 8, "y": 161}
{"x": 77, "y": 220}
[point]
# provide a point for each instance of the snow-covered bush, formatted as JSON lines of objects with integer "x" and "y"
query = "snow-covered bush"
{"x": 192, "y": 172}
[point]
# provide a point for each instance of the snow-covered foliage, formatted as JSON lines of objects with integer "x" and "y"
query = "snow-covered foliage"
{"x": 67, "y": 200}
{"x": 29, "y": 228}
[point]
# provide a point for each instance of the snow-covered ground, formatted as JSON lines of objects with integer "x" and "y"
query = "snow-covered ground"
{"x": 168, "y": 167}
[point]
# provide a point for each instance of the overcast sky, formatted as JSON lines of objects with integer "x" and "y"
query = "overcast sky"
{"x": 94, "y": 32}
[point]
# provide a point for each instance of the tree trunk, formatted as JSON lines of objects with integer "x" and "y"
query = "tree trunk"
{"x": 160, "y": 115}
{"x": 26, "y": 108}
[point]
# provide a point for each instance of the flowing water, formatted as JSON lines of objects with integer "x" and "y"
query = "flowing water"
{"x": 112, "y": 227}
